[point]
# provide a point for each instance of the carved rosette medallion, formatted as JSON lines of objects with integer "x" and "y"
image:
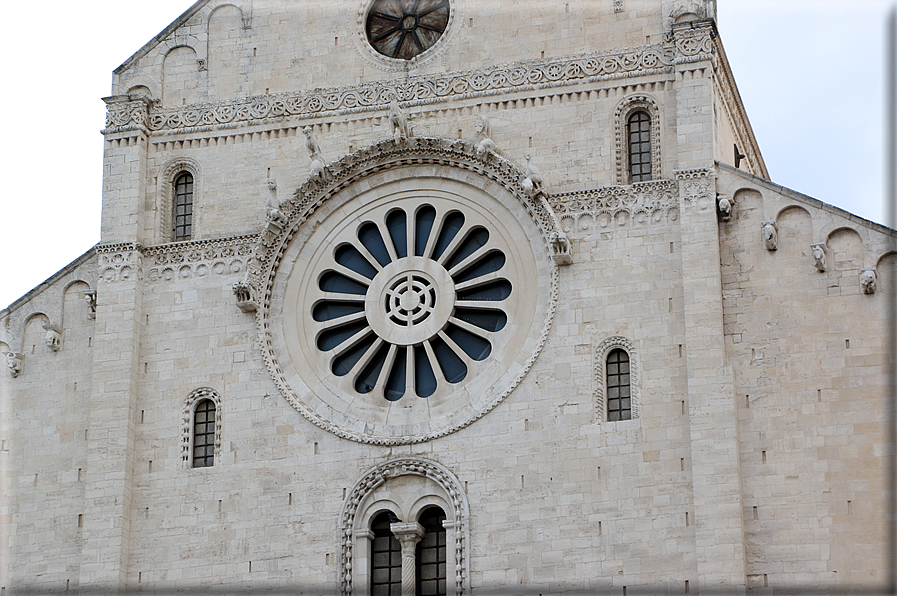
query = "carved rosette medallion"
{"x": 411, "y": 297}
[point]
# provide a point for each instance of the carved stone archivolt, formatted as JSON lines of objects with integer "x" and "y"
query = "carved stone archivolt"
{"x": 402, "y": 169}
{"x": 453, "y": 495}
{"x": 183, "y": 260}
{"x": 534, "y": 74}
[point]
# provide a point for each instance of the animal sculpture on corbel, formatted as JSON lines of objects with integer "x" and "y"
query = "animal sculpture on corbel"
{"x": 867, "y": 280}
{"x": 483, "y": 137}
{"x": 398, "y": 122}
{"x": 818, "y": 251}
{"x": 316, "y": 169}
{"x": 53, "y": 337}
{"x": 770, "y": 233}
{"x": 724, "y": 205}
{"x": 14, "y": 363}
{"x": 90, "y": 297}
{"x": 243, "y": 292}
{"x": 532, "y": 178}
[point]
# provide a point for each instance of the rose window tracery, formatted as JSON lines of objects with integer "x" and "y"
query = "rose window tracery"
{"x": 411, "y": 301}
{"x": 403, "y": 29}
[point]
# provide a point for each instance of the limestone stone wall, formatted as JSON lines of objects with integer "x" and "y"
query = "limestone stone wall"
{"x": 808, "y": 348}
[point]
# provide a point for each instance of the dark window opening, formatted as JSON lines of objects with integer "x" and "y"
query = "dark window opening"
{"x": 183, "y": 206}
{"x": 639, "y": 131}
{"x": 386, "y": 557}
{"x": 204, "y": 434}
{"x": 431, "y": 554}
{"x": 619, "y": 399}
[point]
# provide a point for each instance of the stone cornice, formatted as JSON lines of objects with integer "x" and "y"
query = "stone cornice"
{"x": 422, "y": 90}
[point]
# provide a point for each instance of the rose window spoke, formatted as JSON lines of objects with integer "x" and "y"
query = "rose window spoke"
{"x": 410, "y": 303}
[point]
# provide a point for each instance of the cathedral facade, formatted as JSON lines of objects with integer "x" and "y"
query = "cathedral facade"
{"x": 447, "y": 297}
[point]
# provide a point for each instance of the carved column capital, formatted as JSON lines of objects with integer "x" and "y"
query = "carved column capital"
{"x": 408, "y": 534}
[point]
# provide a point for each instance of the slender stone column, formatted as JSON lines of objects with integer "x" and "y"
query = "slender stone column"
{"x": 408, "y": 534}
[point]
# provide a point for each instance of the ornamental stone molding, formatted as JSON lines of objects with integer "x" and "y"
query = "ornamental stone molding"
{"x": 323, "y": 234}
{"x": 165, "y": 191}
{"x": 625, "y": 109}
{"x": 120, "y": 262}
{"x": 697, "y": 188}
{"x": 196, "y": 396}
{"x": 656, "y": 201}
{"x": 601, "y": 353}
{"x": 123, "y": 115}
{"x": 457, "y": 521}
{"x": 199, "y": 258}
{"x": 693, "y": 41}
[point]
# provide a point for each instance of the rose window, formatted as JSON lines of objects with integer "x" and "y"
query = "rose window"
{"x": 405, "y": 28}
{"x": 412, "y": 299}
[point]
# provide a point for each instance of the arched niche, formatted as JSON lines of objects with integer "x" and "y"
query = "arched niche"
{"x": 33, "y": 334}
{"x": 224, "y": 51}
{"x": 180, "y": 77}
{"x": 795, "y": 231}
{"x": 886, "y": 271}
{"x": 406, "y": 487}
{"x": 75, "y": 309}
{"x": 846, "y": 246}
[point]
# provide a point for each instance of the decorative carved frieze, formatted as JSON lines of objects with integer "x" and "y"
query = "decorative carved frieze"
{"x": 126, "y": 113}
{"x": 120, "y": 262}
{"x": 643, "y": 202}
{"x": 412, "y": 91}
{"x": 694, "y": 42}
{"x": 697, "y": 187}
{"x": 183, "y": 260}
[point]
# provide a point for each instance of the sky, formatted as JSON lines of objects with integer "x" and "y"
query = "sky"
{"x": 809, "y": 72}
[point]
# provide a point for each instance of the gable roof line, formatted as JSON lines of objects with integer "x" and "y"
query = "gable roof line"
{"x": 797, "y": 196}
{"x": 161, "y": 36}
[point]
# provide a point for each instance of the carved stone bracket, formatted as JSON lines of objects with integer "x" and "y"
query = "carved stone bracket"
{"x": 243, "y": 292}
{"x": 14, "y": 362}
{"x": 724, "y": 206}
{"x": 53, "y": 337}
{"x": 818, "y": 251}
{"x": 769, "y": 231}
{"x": 90, "y": 296}
{"x": 867, "y": 280}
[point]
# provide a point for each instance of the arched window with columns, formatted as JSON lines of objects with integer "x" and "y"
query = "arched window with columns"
{"x": 418, "y": 505}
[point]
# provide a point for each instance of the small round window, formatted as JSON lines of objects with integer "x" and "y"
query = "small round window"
{"x": 403, "y": 29}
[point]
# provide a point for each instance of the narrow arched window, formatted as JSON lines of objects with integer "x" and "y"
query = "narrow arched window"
{"x": 183, "y": 206}
{"x": 430, "y": 557}
{"x": 386, "y": 557}
{"x": 619, "y": 398}
{"x": 204, "y": 434}
{"x": 639, "y": 130}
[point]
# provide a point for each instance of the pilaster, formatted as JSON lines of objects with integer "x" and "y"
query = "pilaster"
{"x": 719, "y": 531}
{"x": 693, "y": 41}
{"x": 110, "y": 433}
{"x": 124, "y": 168}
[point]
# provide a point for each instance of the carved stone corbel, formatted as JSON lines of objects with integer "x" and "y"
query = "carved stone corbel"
{"x": 818, "y": 250}
{"x": 53, "y": 337}
{"x": 243, "y": 292}
{"x": 770, "y": 232}
{"x": 14, "y": 362}
{"x": 90, "y": 296}
{"x": 867, "y": 280}
{"x": 561, "y": 249}
{"x": 724, "y": 206}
